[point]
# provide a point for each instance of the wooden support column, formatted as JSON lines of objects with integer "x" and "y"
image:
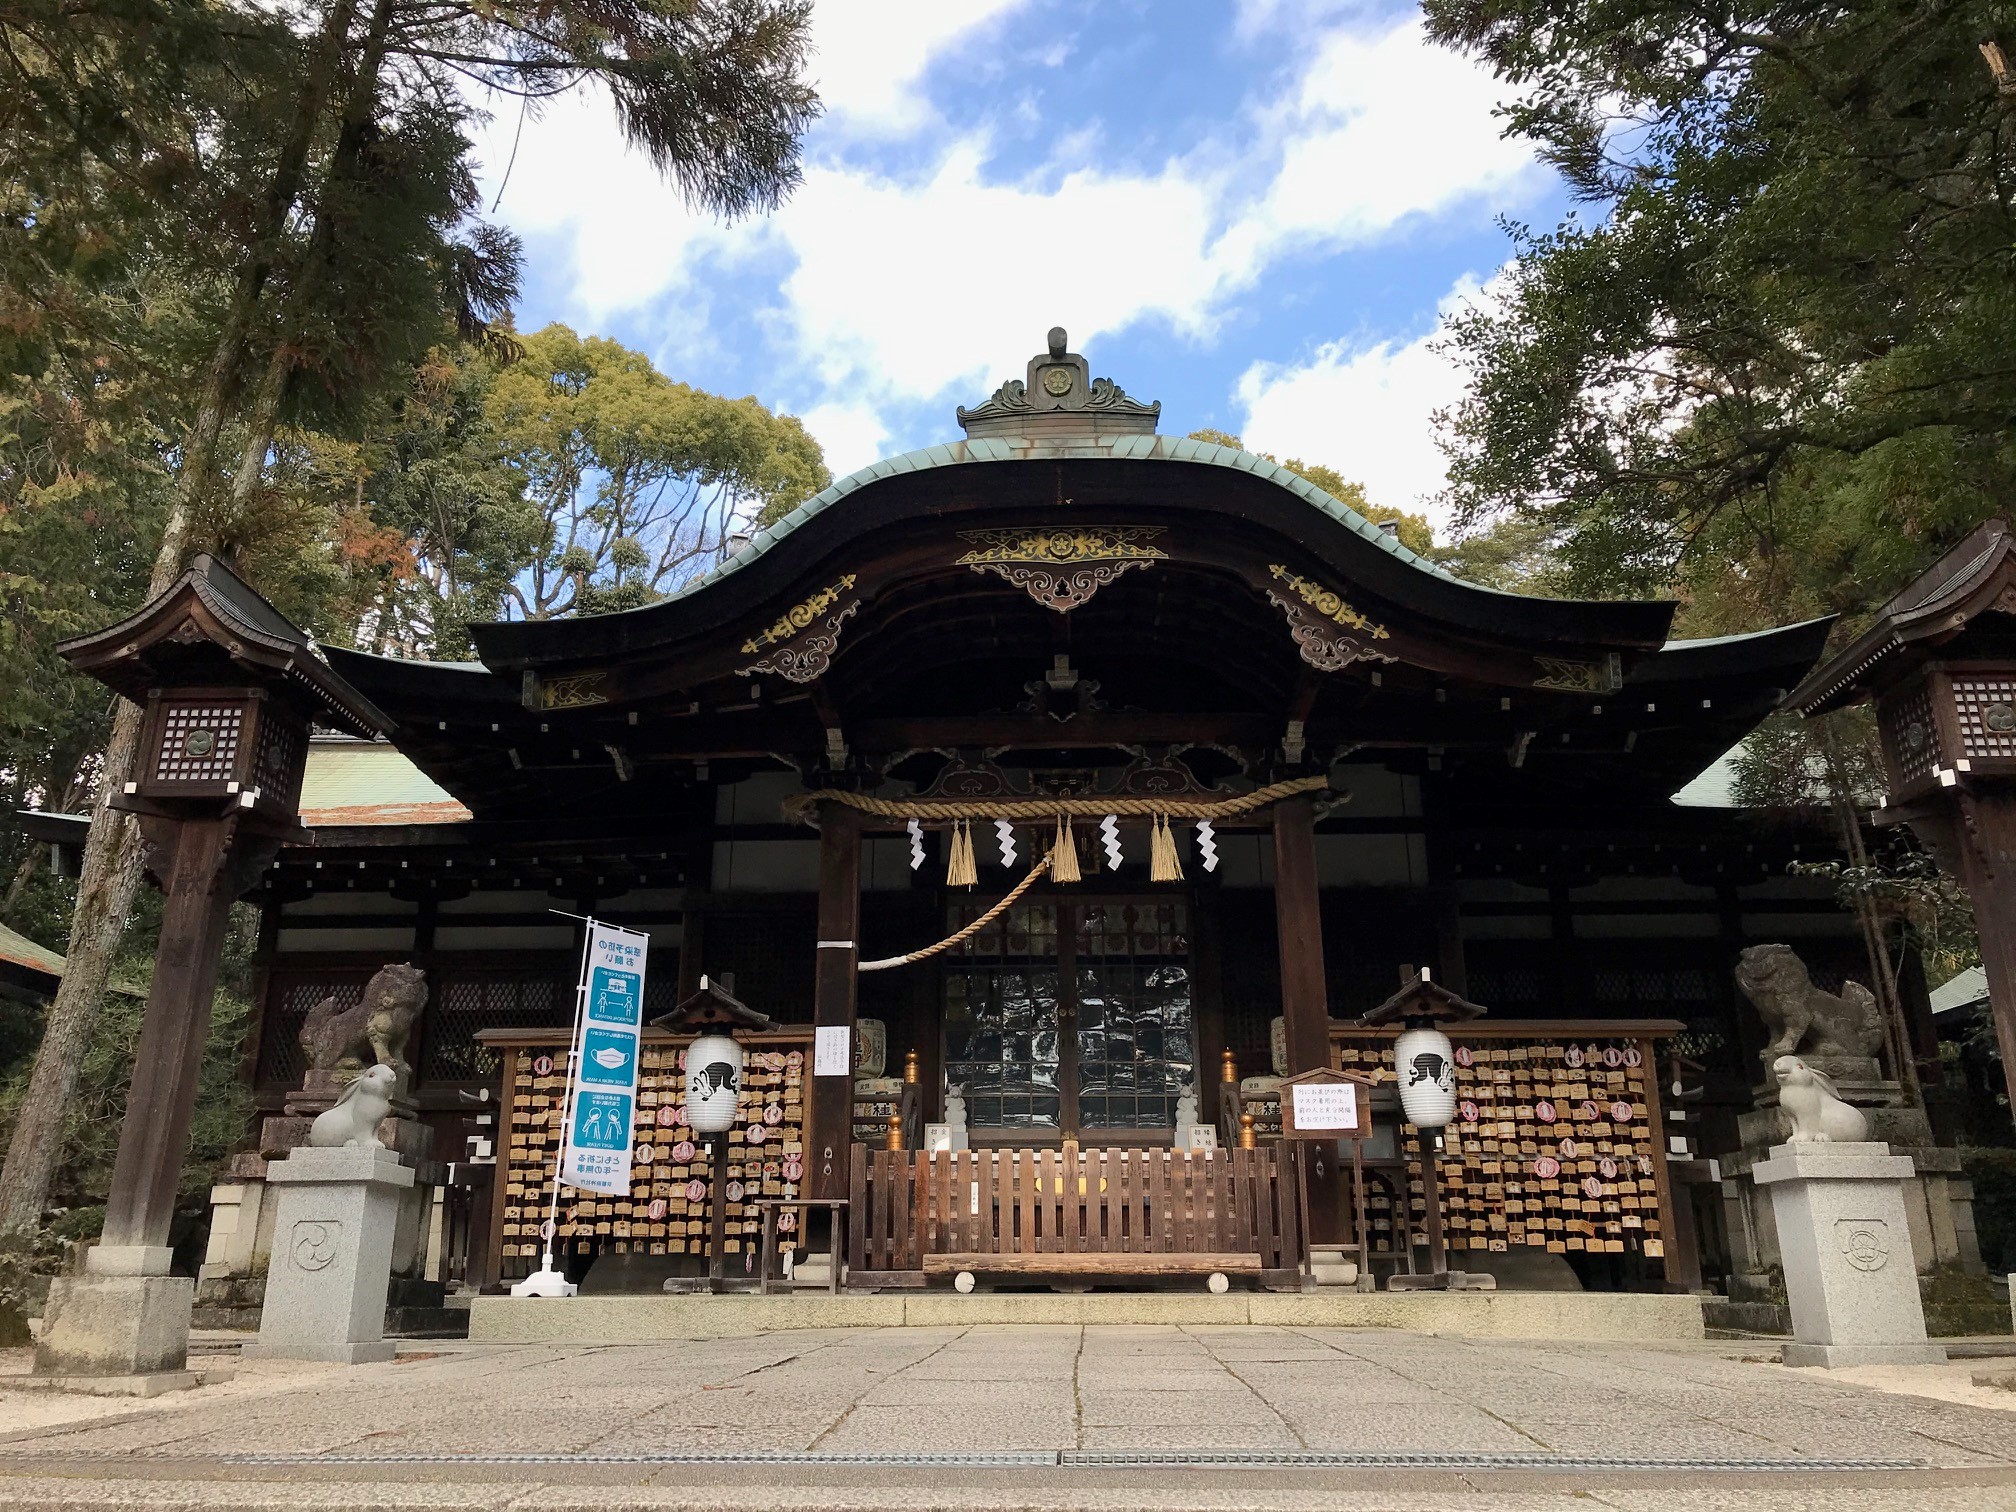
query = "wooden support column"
{"x": 194, "y": 863}
{"x": 1444, "y": 896}
{"x": 1983, "y": 832}
{"x": 835, "y": 979}
{"x": 1298, "y": 916}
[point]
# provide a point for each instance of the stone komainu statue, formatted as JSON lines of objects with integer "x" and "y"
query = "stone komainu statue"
{"x": 1802, "y": 1018}
{"x": 374, "y": 1031}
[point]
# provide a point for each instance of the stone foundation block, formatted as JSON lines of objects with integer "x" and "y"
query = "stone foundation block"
{"x": 100, "y": 1325}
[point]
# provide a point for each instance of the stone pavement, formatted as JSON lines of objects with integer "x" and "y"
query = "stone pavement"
{"x": 1524, "y": 1412}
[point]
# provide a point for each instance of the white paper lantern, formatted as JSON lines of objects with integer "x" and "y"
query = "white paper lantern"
{"x": 1426, "y": 1063}
{"x": 713, "y": 1083}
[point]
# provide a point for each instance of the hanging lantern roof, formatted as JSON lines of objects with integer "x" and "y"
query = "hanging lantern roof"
{"x": 211, "y": 627}
{"x": 712, "y": 1007}
{"x": 1423, "y": 1000}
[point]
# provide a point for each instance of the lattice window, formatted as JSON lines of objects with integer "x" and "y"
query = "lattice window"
{"x": 199, "y": 742}
{"x": 1986, "y": 707}
{"x": 462, "y": 1003}
{"x": 277, "y": 766}
{"x": 1135, "y": 1043}
{"x": 1507, "y": 986}
{"x": 281, "y": 1060}
{"x": 770, "y": 957}
{"x": 1002, "y": 1032}
{"x": 1911, "y": 737}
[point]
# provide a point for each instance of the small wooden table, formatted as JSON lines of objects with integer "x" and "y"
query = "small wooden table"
{"x": 836, "y": 1211}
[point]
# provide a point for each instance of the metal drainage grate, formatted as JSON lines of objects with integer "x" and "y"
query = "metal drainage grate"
{"x": 1033, "y": 1459}
{"x": 1078, "y": 1459}
{"x": 1274, "y": 1458}
{"x": 1007, "y": 1459}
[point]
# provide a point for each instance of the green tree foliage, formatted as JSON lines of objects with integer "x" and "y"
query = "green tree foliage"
{"x": 1415, "y": 532}
{"x": 1514, "y": 554}
{"x": 1773, "y": 370}
{"x": 639, "y": 480}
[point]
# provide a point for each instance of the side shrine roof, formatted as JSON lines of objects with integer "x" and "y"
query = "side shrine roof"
{"x": 1964, "y": 603}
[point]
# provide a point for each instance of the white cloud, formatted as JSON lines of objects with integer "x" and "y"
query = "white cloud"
{"x": 1382, "y": 126}
{"x": 1365, "y": 409}
{"x": 626, "y": 235}
{"x": 869, "y": 56}
{"x": 914, "y": 289}
{"x": 851, "y": 435}
{"x": 908, "y": 286}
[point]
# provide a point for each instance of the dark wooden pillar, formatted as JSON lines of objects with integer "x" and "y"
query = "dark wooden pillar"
{"x": 192, "y": 859}
{"x": 1305, "y": 996}
{"x": 1444, "y": 897}
{"x": 1984, "y": 835}
{"x": 834, "y": 994}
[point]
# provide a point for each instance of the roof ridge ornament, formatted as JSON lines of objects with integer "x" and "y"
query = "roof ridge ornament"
{"x": 1059, "y": 396}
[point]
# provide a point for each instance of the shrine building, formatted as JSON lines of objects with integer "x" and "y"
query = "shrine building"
{"x": 1290, "y": 760}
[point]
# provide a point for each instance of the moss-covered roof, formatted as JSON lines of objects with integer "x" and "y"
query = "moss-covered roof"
{"x": 356, "y": 782}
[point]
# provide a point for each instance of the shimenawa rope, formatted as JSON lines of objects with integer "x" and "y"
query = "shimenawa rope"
{"x": 803, "y": 805}
{"x": 971, "y": 929}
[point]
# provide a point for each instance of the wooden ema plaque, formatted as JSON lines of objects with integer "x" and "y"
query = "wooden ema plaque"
{"x": 1557, "y": 1144}
{"x": 1326, "y": 1104}
{"x": 671, "y": 1178}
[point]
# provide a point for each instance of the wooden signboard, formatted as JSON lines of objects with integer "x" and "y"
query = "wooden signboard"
{"x": 1326, "y": 1104}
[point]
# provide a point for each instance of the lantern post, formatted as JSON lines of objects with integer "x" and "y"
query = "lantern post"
{"x": 1939, "y": 663}
{"x": 713, "y": 1100}
{"x": 231, "y": 690}
{"x": 1425, "y": 1062}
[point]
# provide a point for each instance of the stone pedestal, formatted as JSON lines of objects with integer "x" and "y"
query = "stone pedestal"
{"x": 1850, "y": 1276}
{"x": 125, "y": 1320}
{"x": 331, "y": 1267}
{"x": 1938, "y": 1199}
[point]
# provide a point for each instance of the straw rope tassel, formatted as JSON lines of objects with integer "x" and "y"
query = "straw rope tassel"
{"x": 1064, "y": 858}
{"x": 1164, "y": 864}
{"x": 960, "y": 870}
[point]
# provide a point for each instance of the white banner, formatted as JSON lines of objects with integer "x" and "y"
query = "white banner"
{"x": 603, "y": 1068}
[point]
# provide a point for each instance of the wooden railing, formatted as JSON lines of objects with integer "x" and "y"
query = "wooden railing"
{"x": 906, "y": 1204}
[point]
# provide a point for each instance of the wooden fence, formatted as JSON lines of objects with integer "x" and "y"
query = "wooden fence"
{"x": 906, "y": 1204}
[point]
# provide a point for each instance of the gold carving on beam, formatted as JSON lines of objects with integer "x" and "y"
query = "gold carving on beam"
{"x": 798, "y": 617}
{"x": 1062, "y": 591}
{"x": 1332, "y": 606}
{"x": 1322, "y": 644}
{"x": 1564, "y": 676}
{"x": 1062, "y": 568}
{"x": 577, "y": 690}
{"x": 810, "y": 656}
{"x": 1085, "y": 543}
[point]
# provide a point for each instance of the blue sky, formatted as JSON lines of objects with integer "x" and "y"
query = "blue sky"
{"x": 1255, "y": 212}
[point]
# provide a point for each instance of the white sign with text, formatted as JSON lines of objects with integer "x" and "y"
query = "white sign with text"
{"x": 832, "y": 1051}
{"x": 1320, "y": 1106}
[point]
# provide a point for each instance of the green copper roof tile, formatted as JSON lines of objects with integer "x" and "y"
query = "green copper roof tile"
{"x": 1125, "y": 447}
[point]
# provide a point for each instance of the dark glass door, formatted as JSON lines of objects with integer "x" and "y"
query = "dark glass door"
{"x": 1062, "y": 1017}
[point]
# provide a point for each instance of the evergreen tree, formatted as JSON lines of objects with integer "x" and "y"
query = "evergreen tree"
{"x": 316, "y": 155}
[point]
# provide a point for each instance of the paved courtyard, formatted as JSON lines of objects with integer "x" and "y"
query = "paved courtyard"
{"x": 1528, "y": 1418}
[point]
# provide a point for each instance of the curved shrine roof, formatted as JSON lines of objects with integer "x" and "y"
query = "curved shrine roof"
{"x": 909, "y": 605}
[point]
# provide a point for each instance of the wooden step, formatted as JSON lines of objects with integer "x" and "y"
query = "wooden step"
{"x": 1095, "y": 1263}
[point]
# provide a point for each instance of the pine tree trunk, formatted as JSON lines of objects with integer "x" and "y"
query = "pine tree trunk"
{"x": 262, "y": 415}
{"x": 106, "y": 884}
{"x": 23, "y": 875}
